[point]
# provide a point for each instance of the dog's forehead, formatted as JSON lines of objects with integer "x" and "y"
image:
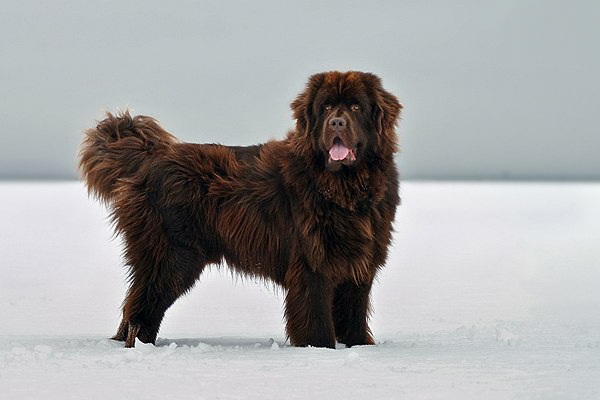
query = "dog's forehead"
{"x": 340, "y": 86}
{"x": 336, "y": 78}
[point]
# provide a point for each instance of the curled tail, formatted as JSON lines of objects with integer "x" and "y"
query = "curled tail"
{"x": 116, "y": 148}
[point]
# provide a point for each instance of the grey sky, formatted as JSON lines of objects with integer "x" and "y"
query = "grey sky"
{"x": 494, "y": 89}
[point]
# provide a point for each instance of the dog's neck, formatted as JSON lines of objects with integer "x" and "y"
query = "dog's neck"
{"x": 351, "y": 188}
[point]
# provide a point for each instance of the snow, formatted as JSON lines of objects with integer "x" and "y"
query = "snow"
{"x": 491, "y": 291}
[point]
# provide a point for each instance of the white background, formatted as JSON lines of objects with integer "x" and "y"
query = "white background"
{"x": 497, "y": 89}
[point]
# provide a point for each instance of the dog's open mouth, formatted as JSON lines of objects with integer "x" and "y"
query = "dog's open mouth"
{"x": 340, "y": 153}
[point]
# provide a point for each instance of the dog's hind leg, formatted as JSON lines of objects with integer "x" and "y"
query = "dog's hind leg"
{"x": 161, "y": 251}
{"x": 153, "y": 290}
{"x": 122, "y": 332}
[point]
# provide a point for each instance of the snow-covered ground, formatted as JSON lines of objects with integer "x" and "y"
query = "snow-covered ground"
{"x": 492, "y": 291}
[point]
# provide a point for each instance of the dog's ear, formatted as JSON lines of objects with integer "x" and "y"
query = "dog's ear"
{"x": 389, "y": 109}
{"x": 386, "y": 112}
{"x": 303, "y": 103}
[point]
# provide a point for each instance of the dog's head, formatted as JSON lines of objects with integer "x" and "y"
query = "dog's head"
{"x": 346, "y": 118}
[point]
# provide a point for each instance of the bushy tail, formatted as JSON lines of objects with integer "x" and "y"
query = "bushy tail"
{"x": 116, "y": 149}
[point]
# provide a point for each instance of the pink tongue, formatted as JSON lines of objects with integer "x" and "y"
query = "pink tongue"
{"x": 338, "y": 151}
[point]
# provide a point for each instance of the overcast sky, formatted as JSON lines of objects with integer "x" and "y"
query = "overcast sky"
{"x": 494, "y": 89}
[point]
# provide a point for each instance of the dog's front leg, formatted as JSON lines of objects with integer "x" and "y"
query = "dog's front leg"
{"x": 308, "y": 308}
{"x": 351, "y": 312}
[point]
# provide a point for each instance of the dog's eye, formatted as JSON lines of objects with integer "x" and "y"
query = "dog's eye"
{"x": 355, "y": 107}
{"x": 327, "y": 107}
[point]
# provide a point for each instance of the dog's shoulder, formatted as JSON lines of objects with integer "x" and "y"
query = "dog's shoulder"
{"x": 246, "y": 154}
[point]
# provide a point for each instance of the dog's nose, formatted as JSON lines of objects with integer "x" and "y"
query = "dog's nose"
{"x": 337, "y": 123}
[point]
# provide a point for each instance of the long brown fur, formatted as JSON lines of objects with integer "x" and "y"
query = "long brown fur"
{"x": 282, "y": 211}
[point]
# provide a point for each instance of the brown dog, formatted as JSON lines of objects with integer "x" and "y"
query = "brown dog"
{"x": 312, "y": 212}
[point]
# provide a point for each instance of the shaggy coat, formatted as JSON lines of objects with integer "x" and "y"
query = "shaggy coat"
{"x": 312, "y": 212}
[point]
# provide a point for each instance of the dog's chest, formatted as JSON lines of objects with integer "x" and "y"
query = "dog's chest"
{"x": 347, "y": 240}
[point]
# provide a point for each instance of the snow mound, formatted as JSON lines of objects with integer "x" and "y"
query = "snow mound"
{"x": 490, "y": 292}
